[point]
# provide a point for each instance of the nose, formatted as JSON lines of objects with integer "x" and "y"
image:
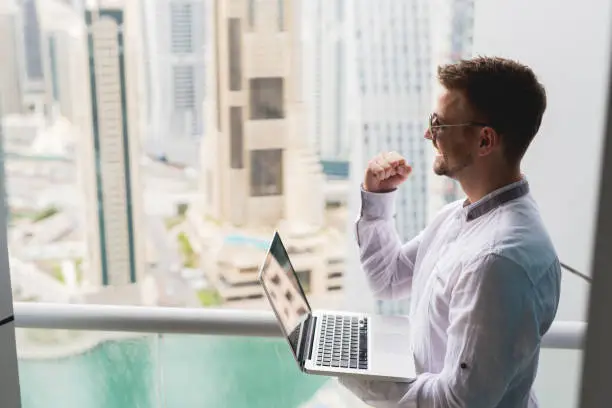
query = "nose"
{"x": 428, "y": 134}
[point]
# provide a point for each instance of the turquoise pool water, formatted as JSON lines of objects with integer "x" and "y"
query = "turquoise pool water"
{"x": 244, "y": 240}
{"x": 175, "y": 371}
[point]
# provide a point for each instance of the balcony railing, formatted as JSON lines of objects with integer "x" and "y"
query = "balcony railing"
{"x": 158, "y": 357}
{"x": 562, "y": 335}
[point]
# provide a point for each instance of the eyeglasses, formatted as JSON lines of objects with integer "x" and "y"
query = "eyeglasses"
{"x": 433, "y": 129}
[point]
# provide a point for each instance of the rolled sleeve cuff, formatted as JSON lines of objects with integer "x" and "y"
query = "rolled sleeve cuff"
{"x": 377, "y": 205}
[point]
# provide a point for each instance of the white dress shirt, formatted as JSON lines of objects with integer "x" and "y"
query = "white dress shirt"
{"x": 484, "y": 281}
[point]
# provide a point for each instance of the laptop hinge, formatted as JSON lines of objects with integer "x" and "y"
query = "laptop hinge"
{"x": 306, "y": 339}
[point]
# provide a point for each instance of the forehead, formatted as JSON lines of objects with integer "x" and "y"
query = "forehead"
{"x": 450, "y": 104}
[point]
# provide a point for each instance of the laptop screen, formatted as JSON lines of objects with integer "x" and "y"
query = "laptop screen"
{"x": 284, "y": 291}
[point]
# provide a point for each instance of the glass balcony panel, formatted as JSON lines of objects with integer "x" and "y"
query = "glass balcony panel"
{"x": 82, "y": 369}
{"x": 74, "y": 369}
{"x": 232, "y": 372}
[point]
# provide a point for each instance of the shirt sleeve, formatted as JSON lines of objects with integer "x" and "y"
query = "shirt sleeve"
{"x": 387, "y": 263}
{"x": 492, "y": 336}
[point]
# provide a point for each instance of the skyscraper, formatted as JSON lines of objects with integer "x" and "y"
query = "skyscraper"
{"x": 34, "y": 95}
{"x": 64, "y": 51}
{"x": 325, "y": 66}
{"x": 32, "y": 40}
{"x": 259, "y": 173}
{"x": 257, "y": 166}
{"x": 175, "y": 43}
{"x": 110, "y": 153}
{"x": 11, "y": 52}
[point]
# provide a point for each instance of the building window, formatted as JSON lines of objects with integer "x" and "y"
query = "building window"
{"x": 340, "y": 10}
{"x": 184, "y": 89}
{"x": 266, "y": 172}
{"x": 235, "y": 58}
{"x": 304, "y": 278}
{"x": 281, "y": 15}
{"x": 32, "y": 37}
{"x": 53, "y": 66}
{"x": 334, "y": 275}
{"x": 209, "y": 186}
{"x": 334, "y": 288}
{"x": 289, "y": 296}
{"x": 236, "y": 138}
{"x": 267, "y": 98}
{"x": 181, "y": 28}
{"x": 251, "y": 14}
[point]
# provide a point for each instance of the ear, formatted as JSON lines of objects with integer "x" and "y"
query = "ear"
{"x": 489, "y": 140}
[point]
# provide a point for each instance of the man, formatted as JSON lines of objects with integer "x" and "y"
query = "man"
{"x": 483, "y": 277}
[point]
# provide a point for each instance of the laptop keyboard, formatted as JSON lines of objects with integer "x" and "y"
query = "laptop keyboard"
{"x": 343, "y": 342}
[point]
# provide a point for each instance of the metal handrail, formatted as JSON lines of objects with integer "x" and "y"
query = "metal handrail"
{"x": 562, "y": 335}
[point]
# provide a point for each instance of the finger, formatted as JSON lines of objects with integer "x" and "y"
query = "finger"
{"x": 395, "y": 158}
{"x": 396, "y": 180}
{"x": 382, "y": 163}
{"x": 381, "y": 160}
{"x": 377, "y": 170}
{"x": 404, "y": 169}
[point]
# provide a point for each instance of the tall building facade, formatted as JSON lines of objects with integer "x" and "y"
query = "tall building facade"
{"x": 32, "y": 41}
{"x": 325, "y": 81}
{"x": 64, "y": 49}
{"x": 259, "y": 173}
{"x": 257, "y": 166}
{"x": 11, "y": 52}
{"x": 175, "y": 41}
{"x": 34, "y": 95}
{"x": 109, "y": 154}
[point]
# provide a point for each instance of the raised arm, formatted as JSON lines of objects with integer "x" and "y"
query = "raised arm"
{"x": 388, "y": 265}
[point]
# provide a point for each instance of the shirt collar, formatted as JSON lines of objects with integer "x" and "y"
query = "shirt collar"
{"x": 495, "y": 199}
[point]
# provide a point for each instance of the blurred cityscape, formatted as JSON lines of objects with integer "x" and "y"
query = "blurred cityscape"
{"x": 152, "y": 147}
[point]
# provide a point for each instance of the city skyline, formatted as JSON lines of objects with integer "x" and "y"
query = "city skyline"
{"x": 293, "y": 86}
{"x": 358, "y": 77}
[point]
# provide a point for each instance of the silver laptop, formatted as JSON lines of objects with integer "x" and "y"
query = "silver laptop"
{"x": 334, "y": 343}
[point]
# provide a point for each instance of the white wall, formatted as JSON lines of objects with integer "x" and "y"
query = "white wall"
{"x": 567, "y": 45}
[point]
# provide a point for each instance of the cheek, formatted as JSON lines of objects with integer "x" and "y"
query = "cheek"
{"x": 445, "y": 146}
{"x": 455, "y": 147}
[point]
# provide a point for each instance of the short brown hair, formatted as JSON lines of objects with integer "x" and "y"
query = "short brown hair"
{"x": 505, "y": 93}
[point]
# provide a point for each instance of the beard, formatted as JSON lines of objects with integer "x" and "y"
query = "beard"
{"x": 442, "y": 166}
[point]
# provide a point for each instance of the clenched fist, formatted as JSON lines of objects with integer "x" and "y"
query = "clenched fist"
{"x": 385, "y": 172}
